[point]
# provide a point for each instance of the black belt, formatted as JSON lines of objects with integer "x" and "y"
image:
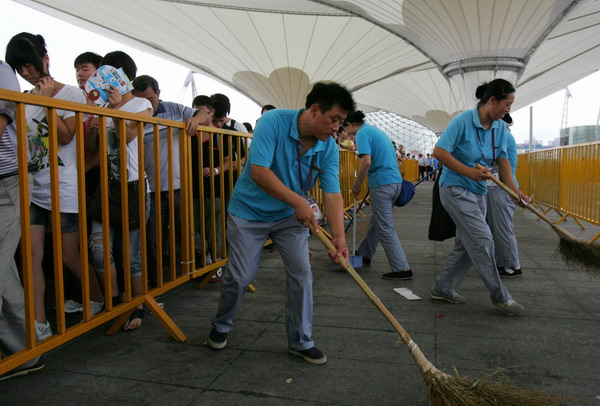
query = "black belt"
{"x": 30, "y": 168}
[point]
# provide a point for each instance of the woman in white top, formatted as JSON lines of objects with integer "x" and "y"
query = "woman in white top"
{"x": 126, "y": 102}
{"x": 26, "y": 53}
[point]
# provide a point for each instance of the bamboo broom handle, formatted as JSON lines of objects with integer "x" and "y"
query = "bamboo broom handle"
{"x": 365, "y": 288}
{"x": 516, "y": 196}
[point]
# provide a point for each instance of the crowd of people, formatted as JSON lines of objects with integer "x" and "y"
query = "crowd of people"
{"x": 290, "y": 150}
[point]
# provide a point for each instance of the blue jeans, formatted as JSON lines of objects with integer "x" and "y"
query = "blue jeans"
{"x": 97, "y": 248}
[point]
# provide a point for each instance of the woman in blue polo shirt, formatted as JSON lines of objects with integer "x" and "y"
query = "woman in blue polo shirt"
{"x": 474, "y": 137}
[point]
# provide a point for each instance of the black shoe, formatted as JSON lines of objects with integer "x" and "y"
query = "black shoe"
{"x": 217, "y": 340}
{"x": 311, "y": 355}
{"x": 408, "y": 274}
{"x": 509, "y": 273}
{"x": 37, "y": 367}
{"x": 365, "y": 261}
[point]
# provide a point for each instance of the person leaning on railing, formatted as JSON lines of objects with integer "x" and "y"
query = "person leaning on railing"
{"x": 26, "y": 53}
{"x": 146, "y": 87}
{"x": 211, "y": 152}
{"x": 126, "y": 102}
{"x": 12, "y": 303}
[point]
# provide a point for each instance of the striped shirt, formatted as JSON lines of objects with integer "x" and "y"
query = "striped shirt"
{"x": 8, "y": 141}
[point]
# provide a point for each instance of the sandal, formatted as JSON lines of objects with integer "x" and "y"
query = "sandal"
{"x": 137, "y": 314}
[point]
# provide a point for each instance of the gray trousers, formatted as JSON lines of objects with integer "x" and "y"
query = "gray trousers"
{"x": 381, "y": 228}
{"x": 473, "y": 245}
{"x": 246, "y": 239}
{"x": 12, "y": 304}
{"x": 501, "y": 209}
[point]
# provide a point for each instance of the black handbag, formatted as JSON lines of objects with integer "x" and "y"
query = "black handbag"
{"x": 441, "y": 225}
{"x": 115, "y": 212}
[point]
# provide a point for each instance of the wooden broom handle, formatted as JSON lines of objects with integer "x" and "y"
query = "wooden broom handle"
{"x": 516, "y": 196}
{"x": 365, "y": 288}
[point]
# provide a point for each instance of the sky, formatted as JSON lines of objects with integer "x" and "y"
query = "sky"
{"x": 65, "y": 41}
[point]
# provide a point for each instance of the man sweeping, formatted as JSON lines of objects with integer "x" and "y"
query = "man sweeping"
{"x": 289, "y": 151}
{"x": 378, "y": 163}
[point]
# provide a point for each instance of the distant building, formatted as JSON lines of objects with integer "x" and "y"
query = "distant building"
{"x": 579, "y": 134}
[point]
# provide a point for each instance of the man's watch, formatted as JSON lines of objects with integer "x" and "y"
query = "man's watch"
{"x": 216, "y": 170}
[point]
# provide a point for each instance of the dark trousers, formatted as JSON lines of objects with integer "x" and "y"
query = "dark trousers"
{"x": 151, "y": 231}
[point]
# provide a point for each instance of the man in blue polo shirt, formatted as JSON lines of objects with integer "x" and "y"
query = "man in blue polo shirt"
{"x": 289, "y": 151}
{"x": 378, "y": 162}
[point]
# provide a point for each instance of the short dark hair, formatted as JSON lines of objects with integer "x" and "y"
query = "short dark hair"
{"x": 220, "y": 109}
{"x": 88, "y": 57}
{"x": 202, "y": 100}
{"x": 120, "y": 59}
{"x": 498, "y": 88}
{"x": 26, "y": 48}
{"x": 267, "y": 107}
{"x": 248, "y": 126}
{"x": 355, "y": 117}
{"x": 143, "y": 82}
{"x": 224, "y": 100}
{"x": 326, "y": 95}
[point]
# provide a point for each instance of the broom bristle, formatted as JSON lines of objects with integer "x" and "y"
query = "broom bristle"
{"x": 447, "y": 390}
{"x": 579, "y": 254}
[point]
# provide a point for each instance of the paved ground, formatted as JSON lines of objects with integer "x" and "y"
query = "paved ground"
{"x": 552, "y": 346}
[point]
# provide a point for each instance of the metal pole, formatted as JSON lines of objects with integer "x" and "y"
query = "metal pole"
{"x": 531, "y": 144}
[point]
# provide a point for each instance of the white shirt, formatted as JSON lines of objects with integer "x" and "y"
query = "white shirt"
{"x": 37, "y": 136}
{"x": 135, "y": 105}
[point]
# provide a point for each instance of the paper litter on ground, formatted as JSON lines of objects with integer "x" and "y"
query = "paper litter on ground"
{"x": 407, "y": 293}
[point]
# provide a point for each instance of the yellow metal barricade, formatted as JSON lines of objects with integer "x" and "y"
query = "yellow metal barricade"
{"x": 564, "y": 179}
{"x": 181, "y": 267}
{"x": 410, "y": 170}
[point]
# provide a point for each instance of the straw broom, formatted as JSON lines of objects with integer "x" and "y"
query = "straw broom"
{"x": 444, "y": 389}
{"x": 577, "y": 253}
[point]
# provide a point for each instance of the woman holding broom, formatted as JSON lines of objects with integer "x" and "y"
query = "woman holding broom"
{"x": 474, "y": 137}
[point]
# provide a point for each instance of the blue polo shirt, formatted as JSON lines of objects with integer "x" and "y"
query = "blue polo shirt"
{"x": 470, "y": 143}
{"x": 511, "y": 151}
{"x": 275, "y": 145}
{"x": 384, "y": 165}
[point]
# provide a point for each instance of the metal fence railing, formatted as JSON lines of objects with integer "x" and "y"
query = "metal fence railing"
{"x": 564, "y": 179}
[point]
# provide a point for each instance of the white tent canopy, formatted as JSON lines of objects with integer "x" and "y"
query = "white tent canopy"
{"x": 420, "y": 59}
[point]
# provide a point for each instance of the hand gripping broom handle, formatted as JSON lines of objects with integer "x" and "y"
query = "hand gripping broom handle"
{"x": 516, "y": 196}
{"x": 365, "y": 288}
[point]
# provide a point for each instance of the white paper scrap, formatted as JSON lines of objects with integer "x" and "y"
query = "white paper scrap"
{"x": 407, "y": 293}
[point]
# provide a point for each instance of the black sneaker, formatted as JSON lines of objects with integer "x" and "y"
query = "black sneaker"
{"x": 365, "y": 261}
{"x": 404, "y": 275}
{"x": 311, "y": 355}
{"x": 217, "y": 340}
{"x": 509, "y": 273}
{"x": 37, "y": 367}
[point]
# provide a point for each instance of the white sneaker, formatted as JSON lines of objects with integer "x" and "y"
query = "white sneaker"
{"x": 95, "y": 307}
{"x": 43, "y": 330}
{"x": 72, "y": 306}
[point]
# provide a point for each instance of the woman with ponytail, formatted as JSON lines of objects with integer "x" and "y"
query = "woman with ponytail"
{"x": 476, "y": 136}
